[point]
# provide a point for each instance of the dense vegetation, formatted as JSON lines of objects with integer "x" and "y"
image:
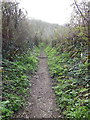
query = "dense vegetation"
{"x": 68, "y": 59}
{"x": 69, "y": 77}
{"x": 16, "y": 81}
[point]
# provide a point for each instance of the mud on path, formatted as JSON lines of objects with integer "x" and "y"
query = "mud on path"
{"x": 42, "y": 103}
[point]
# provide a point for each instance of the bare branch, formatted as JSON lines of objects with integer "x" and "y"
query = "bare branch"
{"x": 80, "y": 11}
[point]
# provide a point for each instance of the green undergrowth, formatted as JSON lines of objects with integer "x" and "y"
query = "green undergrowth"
{"x": 70, "y": 82}
{"x": 16, "y": 81}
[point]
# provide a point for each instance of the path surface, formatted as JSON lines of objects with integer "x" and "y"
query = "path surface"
{"x": 42, "y": 103}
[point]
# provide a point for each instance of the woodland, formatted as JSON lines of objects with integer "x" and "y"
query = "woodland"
{"x": 67, "y": 48}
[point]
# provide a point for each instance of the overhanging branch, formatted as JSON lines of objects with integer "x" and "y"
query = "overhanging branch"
{"x": 80, "y": 11}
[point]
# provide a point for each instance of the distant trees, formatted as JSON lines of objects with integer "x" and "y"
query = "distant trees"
{"x": 19, "y": 32}
{"x": 15, "y": 30}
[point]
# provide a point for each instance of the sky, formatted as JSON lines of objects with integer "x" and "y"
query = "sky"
{"x": 51, "y": 11}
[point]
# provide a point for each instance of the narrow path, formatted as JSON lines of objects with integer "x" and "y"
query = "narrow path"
{"x": 42, "y": 103}
{"x": 42, "y": 96}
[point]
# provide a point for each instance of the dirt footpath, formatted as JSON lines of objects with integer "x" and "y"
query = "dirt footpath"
{"x": 42, "y": 96}
{"x": 42, "y": 103}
